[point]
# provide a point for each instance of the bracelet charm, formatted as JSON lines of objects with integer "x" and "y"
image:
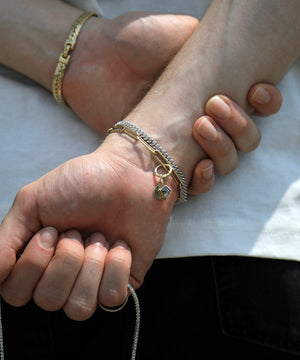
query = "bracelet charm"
{"x": 162, "y": 190}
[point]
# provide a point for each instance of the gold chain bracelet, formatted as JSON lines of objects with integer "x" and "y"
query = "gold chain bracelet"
{"x": 64, "y": 58}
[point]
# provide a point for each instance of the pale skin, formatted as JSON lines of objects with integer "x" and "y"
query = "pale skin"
{"x": 76, "y": 258}
{"x": 130, "y": 50}
{"x": 82, "y": 176}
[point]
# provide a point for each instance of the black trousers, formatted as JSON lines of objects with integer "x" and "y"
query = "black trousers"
{"x": 191, "y": 308}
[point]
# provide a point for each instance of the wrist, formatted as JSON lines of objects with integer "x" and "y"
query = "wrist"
{"x": 33, "y": 40}
{"x": 165, "y": 165}
{"x": 213, "y": 61}
{"x": 173, "y": 132}
{"x": 65, "y": 56}
{"x": 137, "y": 166}
{"x": 90, "y": 56}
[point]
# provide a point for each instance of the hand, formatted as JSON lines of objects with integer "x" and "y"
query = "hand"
{"x": 76, "y": 257}
{"x": 127, "y": 55}
{"x": 93, "y": 193}
{"x": 101, "y": 98}
{"x": 227, "y": 130}
{"x": 130, "y": 42}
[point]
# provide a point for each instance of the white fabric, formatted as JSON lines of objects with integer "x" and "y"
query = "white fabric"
{"x": 254, "y": 211}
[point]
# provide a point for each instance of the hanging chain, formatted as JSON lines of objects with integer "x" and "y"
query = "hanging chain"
{"x": 1, "y": 334}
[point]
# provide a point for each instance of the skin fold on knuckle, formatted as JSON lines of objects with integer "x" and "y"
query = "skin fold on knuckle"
{"x": 25, "y": 201}
{"x": 223, "y": 150}
{"x": 112, "y": 297}
{"x": 228, "y": 165}
{"x": 120, "y": 258}
{"x": 113, "y": 290}
{"x": 21, "y": 195}
{"x": 241, "y": 130}
{"x": 49, "y": 299}
{"x": 95, "y": 260}
{"x": 51, "y": 296}
{"x": 79, "y": 309}
{"x": 69, "y": 258}
{"x": 14, "y": 298}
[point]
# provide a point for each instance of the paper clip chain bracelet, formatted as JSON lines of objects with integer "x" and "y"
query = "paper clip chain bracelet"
{"x": 159, "y": 154}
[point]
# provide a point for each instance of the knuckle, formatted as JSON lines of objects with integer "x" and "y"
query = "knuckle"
{"x": 79, "y": 309}
{"x": 251, "y": 145}
{"x": 22, "y": 195}
{"x": 136, "y": 281}
{"x": 25, "y": 199}
{"x": 70, "y": 258}
{"x": 242, "y": 128}
{"x": 93, "y": 262}
{"x": 121, "y": 259}
{"x": 13, "y": 298}
{"x": 228, "y": 166}
{"x": 51, "y": 301}
{"x": 112, "y": 297}
{"x": 224, "y": 149}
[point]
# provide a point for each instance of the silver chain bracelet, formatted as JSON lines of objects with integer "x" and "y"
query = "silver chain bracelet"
{"x": 158, "y": 153}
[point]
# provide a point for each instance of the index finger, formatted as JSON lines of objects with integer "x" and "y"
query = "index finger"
{"x": 18, "y": 288}
{"x": 16, "y": 229}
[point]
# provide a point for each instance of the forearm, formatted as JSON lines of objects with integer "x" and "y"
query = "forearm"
{"x": 112, "y": 65}
{"x": 237, "y": 44}
{"x": 32, "y": 35}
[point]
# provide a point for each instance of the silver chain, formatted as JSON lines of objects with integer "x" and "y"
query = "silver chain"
{"x": 137, "y": 317}
{"x": 1, "y": 334}
{"x": 137, "y": 322}
{"x": 136, "y": 330}
{"x": 155, "y": 145}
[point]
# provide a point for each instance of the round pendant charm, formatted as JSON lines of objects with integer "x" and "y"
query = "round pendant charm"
{"x": 162, "y": 192}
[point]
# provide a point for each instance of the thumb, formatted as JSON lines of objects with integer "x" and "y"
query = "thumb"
{"x": 17, "y": 228}
{"x": 265, "y": 98}
{"x": 203, "y": 178}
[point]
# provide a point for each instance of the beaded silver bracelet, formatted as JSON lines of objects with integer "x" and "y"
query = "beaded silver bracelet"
{"x": 163, "y": 158}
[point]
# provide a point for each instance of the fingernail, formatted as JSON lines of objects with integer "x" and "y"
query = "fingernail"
{"x": 48, "y": 238}
{"x": 217, "y": 107}
{"x": 207, "y": 130}
{"x": 97, "y": 239}
{"x": 261, "y": 96}
{"x": 72, "y": 234}
{"x": 208, "y": 172}
{"x": 121, "y": 244}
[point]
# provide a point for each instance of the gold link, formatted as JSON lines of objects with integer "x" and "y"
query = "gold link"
{"x": 66, "y": 51}
{"x": 64, "y": 58}
{"x": 158, "y": 156}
